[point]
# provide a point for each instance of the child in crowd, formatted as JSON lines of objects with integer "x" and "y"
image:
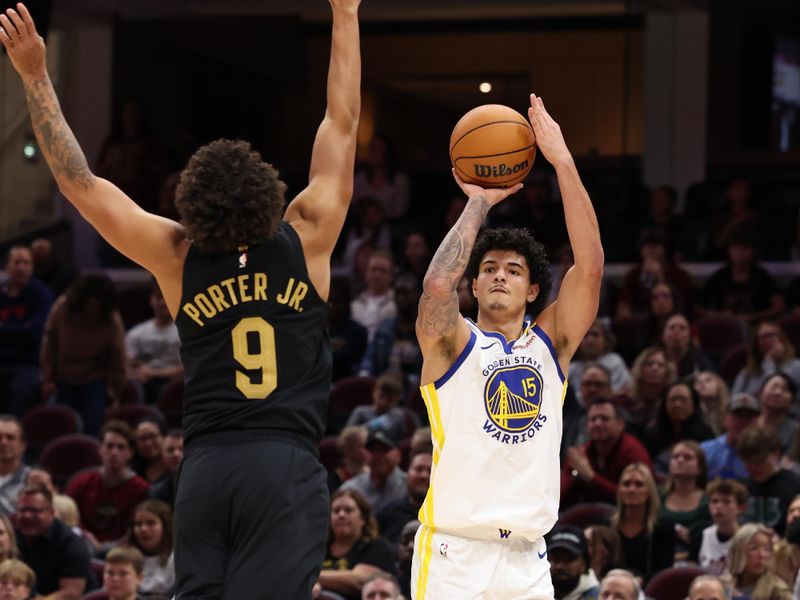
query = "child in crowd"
{"x": 727, "y": 500}
{"x": 123, "y": 573}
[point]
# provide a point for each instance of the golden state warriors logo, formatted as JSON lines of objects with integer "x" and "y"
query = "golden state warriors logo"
{"x": 512, "y": 399}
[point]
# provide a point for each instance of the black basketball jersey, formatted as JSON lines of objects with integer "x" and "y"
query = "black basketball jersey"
{"x": 254, "y": 341}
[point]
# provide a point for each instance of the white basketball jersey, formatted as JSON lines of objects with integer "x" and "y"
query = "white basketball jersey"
{"x": 713, "y": 555}
{"x": 496, "y": 427}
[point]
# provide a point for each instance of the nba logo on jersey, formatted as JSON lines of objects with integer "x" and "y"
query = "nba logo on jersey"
{"x": 512, "y": 399}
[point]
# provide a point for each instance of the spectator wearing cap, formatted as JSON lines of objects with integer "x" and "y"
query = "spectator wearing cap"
{"x": 385, "y": 482}
{"x": 721, "y": 458}
{"x": 771, "y": 487}
{"x": 568, "y": 554}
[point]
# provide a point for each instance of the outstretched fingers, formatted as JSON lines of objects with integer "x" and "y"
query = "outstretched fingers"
{"x": 17, "y": 20}
{"x": 27, "y": 19}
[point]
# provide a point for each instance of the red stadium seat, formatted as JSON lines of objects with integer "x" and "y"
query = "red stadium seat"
{"x": 329, "y": 454}
{"x": 65, "y": 456}
{"x": 132, "y": 414}
{"x": 171, "y": 402}
{"x": 346, "y": 394}
{"x": 587, "y": 513}
{"x": 718, "y": 333}
{"x": 732, "y": 362}
{"x": 43, "y": 424}
{"x": 672, "y": 584}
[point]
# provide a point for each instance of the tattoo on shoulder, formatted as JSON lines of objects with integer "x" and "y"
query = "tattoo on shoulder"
{"x": 63, "y": 153}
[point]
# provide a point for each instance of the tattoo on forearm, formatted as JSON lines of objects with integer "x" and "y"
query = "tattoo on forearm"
{"x": 438, "y": 316}
{"x": 58, "y": 143}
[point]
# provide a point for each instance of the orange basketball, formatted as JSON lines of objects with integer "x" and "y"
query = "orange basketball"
{"x": 492, "y": 146}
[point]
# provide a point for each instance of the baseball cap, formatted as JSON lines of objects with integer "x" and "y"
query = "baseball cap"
{"x": 378, "y": 437}
{"x": 743, "y": 401}
{"x": 569, "y": 538}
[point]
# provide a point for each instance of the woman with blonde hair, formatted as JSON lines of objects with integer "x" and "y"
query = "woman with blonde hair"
{"x": 714, "y": 396}
{"x": 648, "y": 545}
{"x": 652, "y": 373}
{"x": 8, "y": 541}
{"x": 769, "y": 351}
{"x": 750, "y": 562}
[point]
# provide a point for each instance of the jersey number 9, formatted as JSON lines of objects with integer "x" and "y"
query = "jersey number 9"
{"x": 263, "y": 360}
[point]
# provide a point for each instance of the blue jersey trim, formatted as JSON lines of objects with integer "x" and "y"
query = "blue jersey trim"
{"x": 508, "y": 347}
{"x": 461, "y": 358}
{"x": 543, "y": 336}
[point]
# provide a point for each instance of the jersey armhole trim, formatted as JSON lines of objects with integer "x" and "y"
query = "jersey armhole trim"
{"x": 459, "y": 361}
{"x": 546, "y": 339}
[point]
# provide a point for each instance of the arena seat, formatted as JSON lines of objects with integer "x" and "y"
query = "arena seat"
{"x": 673, "y": 583}
{"x": 43, "y": 424}
{"x": 65, "y": 456}
{"x": 587, "y": 513}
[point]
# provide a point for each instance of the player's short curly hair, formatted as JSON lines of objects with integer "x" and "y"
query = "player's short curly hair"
{"x": 228, "y": 196}
{"x": 521, "y": 241}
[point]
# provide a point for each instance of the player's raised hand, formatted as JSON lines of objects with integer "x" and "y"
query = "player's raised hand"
{"x": 24, "y": 45}
{"x": 548, "y": 133}
{"x": 345, "y": 4}
{"x": 492, "y": 195}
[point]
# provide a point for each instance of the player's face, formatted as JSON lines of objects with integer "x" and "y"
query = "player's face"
{"x": 723, "y": 508}
{"x": 346, "y": 519}
{"x": 503, "y": 283}
{"x": 683, "y": 461}
{"x": 148, "y": 529}
{"x": 758, "y": 554}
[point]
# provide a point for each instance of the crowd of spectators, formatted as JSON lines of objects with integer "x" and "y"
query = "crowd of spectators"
{"x": 680, "y": 418}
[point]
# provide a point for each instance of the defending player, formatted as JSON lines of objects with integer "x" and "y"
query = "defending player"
{"x": 248, "y": 291}
{"x": 493, "y": 390}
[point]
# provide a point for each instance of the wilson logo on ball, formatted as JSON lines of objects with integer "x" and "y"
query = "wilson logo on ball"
{"x": 484, "y": 171}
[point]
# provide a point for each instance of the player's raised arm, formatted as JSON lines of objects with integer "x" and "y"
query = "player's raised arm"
{"x": 318, "y": 212}
{"x": 441, "y": 331}
{"x": 149, "y": 240}
{"x": 571, "y": 315}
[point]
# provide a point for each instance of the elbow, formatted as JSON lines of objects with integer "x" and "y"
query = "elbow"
{"x": 437, "y": 286}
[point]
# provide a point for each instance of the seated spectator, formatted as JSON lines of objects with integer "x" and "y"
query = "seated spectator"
{"x": 727, "y": 501}
{"x": 13, "y": 471}
{"x": 123, "y": 572}
{"x": 381, "y": 586}
{"x": 648, "y": 545}
{"x": 742, "y": 287}
{"x": 657, "y": 265}
{"x": 681, "y": 349}
{"x": 405, "y": 554}
{"x": 684, "y": 504}
{"x": 568, "y": 554}
{"x": 770, "y": 486}
{"x": 776, "y": 397}
{"x": 384, "y": 412}
{"x": 662, "y": 217}
{"x": 164, "y": 488}
{"x": 153, "y": 350}
{"x": 385, "y": 482}
{"x": 8, "y": 541}
{"x": 714, "y": 396}
{"x": 350, "y": 443}
{"x": 738, "y": 216}
{"x": 769, "y": 351}
{"x": 707, "y": 587}
{"x": 592, "y": 470}
{"x": 150, "y": 532}
{"x": 421, "y": 441}
{"x": 380, "y": 177}
{"x": 392, "y": 518}
{"x": 597, "y": 348}
{"x": 605, "y": 549}
{"x": 721, "y": 458}
{"x": 663, "y": 304}
{"x": 49, "y": 269}
{"x": 24, "y": 304}
{"x": 394, "y": 348}
{"x": 148, "y": 461}
{"x": 17, "y": 580}
{"x": 678, "y": 418}
{"x": 58, "y": 557}
{"x": 620, "y": 584}
{"x": 749, "y": 564}
{"x": 651, "y": 375}
{"x": 355, "y": 551}
{"x": 348, "y": 338}
{"x": 86, "y": 376}
{"x": 416, "y": 255}
{"x": 376, "y": 304}
{"x": 67, "y": 512}
{"x": 593, "y": 384}
{"x": 787, "y": 549}
{"x": 107, "y": 494}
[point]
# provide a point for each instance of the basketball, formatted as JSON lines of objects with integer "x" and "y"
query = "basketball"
{"x": 492, "y": 146}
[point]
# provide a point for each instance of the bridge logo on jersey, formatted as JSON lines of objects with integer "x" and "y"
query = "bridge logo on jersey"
{"x": 513, "y": 399}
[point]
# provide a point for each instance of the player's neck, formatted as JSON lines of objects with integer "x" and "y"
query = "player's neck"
{"x": 509, "y": 328}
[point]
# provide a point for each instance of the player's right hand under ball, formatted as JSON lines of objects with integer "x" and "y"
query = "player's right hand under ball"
{"x": 492, "y": 195}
